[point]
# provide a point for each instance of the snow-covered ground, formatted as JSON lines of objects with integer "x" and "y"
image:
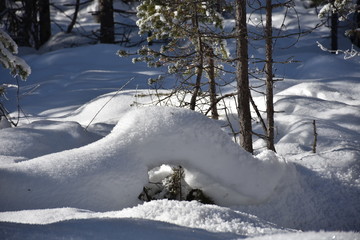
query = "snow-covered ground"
{"x": 87, "y": 139}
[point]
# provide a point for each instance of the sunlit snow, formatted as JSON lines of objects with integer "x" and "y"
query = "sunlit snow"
{"x": 88, "y": 137}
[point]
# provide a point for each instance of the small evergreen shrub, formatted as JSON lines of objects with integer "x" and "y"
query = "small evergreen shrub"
{"x": 173, "y": 187}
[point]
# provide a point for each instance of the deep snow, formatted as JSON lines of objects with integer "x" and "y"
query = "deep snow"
{"x": 70, "y": 171}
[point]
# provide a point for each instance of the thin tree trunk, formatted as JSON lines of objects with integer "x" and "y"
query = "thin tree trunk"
{"x": 199, "y": 68}
{"x": 334, "y": 30}
{"x": 315, "y": 137}
{"x": 2, "y": 7}
{"x": 73, "y": 20}
{"x": 269, "y": 77}
{"x": 30, "y": 27}
{"x": 212, "y": 85}
{"x": 242, "y": 77}
{"x": 197, "y": 86}
{"x": 107, "y": 29}
{"x": 44, "y": 23}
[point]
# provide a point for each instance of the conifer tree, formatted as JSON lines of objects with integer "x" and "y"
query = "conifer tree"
{"x": 8, "y": 49}
{"x": 16, "y": 65}
{"x": 188, "y": 29}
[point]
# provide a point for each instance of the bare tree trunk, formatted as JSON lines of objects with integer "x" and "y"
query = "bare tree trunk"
{"x": 199, "y": 68}
{"x": 107, "y": 29}
{"x": 197, "y": 85}
{"x": 73, "y": 20}
{"x": 2, "y": 7}
{"x": 269, "y": 77}
{"x": 242, "y": 76}
{"x": 29, "y": 30}
{"x": 315, "y": 137}
{"x": 44, "y": 21}
{"x": 212, "y": 85}
{"x": 334, "y": 30}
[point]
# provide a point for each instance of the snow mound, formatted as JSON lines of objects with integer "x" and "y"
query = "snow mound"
{"x": 42, "y": 137}
{"x": 109, "y": 174}
{"x": 208, "y": 217}
{"x": 94, "y": 229}
{"x": 184, "y": 220}
{"x": 311, "y": 236}
{"x": 326, "y": 66}
{"x": 186, "y": 214}
{"x": 105, "y": 108}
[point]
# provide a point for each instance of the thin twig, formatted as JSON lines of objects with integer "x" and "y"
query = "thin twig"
{"x": 117, "y": 92}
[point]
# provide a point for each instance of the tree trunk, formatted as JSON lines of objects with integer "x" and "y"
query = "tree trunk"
{"x": 73, "y": 20}
{"x": 29, "y": 30}
{"x": 197, "y": 86}
{"x": 199, "y": 68}
{"x": 242, "y": 76}
{"x": 44, "y": 21}
{"x": 212, "y": 85}
{"x": 2, "y": 7}
{"x": 269, "y": 77}
{"x": 334, "y": 30}
{"x": 107, "y": 29}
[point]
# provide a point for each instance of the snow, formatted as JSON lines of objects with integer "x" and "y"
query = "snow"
{"x": 89, "y": 139}
{"x": 132, "y": 149}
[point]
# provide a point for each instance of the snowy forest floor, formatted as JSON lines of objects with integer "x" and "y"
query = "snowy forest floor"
{"x": 82, "y": 152}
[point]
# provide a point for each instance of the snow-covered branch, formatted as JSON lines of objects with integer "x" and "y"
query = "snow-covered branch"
{"x": 16, "y": 65}
{"x": 348, "y": 53}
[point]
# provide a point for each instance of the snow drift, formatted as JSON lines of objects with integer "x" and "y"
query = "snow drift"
{"x": 110, "y": 173}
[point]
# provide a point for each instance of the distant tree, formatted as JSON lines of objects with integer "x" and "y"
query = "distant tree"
{"x": 2, "y": 8}
{"x": 338, "y": 10}
{"x": 27, "y": 21}
{"x": 44, "y": 21}
{"x": 107, "y": 29}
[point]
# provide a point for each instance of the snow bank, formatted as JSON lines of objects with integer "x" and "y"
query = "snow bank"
{"x": 323, "y": 189}
{"x": 109, "y": 174}
{"x": 107, "y": 229}
{"x": 40, "y": 138}
{"x": 311, "y": 236}
{"x": 182, "y": 220}
{"x": 107, "y": 108}
{"x": 187, "y": 214}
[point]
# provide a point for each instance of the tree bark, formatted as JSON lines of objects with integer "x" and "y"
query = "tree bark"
{"x": 334, "y": 30}
{"x": 2, "y": 7}
{"x": 44, "y": 21}
{"x": 212, "y": 85}
{"x": 107, "y": 29}
{"x": 199, "y": 68}
{"x": 269, "y": 77}
{"x": 242, "y": 77}
{"x": 29, "y": 30}
{"x": 197, "y": 86}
